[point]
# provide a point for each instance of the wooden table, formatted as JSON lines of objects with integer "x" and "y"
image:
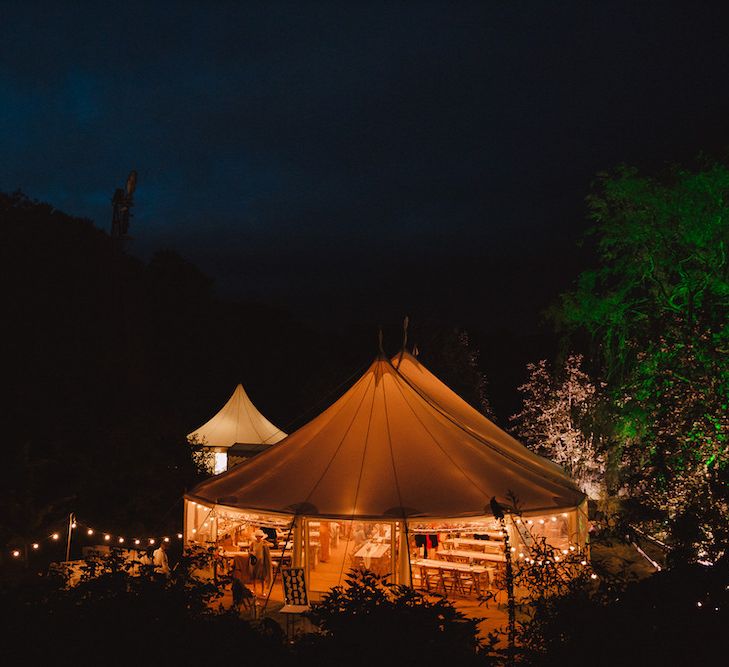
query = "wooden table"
{"x": 373, "y": 556}
{"x": 371, "y": 549}
{"x": 473, "y": 555}
{"x": 282, "y": 556}
{"x": 278, "y": 553}
{"x": 493, "y": 534}
{"x": 477, "y": 571}
{"x": 468, "y": 542}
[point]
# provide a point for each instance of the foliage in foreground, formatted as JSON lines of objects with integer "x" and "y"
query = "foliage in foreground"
{"x": 372, "y": 621}
{"x": 121, "y": 612}
{"x": 571, "y": 613}
{"x": 675, "y": 617}
{"x": 114, "y": 617}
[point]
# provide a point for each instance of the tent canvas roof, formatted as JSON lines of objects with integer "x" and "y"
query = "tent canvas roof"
{"x": 467, "y": 416}
{"x": 385, "y": 450}
{"x": 238, "y": 422}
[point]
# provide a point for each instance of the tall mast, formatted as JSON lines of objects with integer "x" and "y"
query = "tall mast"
{"x": 121, "y": 204}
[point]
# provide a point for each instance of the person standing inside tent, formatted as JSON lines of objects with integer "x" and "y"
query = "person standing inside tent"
{"x": 160, "y": 561}
{"x": 260, "y": 561}
{"x": 324, "y": 541}
{"x": 358, "y": 535}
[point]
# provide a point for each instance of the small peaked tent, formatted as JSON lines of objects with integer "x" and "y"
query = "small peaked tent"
{"x": 238, "y": 428}
{"x": 384, "y": 453}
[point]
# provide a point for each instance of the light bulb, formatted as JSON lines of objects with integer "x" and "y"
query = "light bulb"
{"x": 35, "y": 545}
{"x": 583, "y": 562}
{"x": 167, "y": 539}
{"x": 73, "y": 525}
{"x": 16, "y": 553}
{"x": 179, "y": 536}
{"x": 541, "y": 520}
{"x": 151, "y": 540}
{"x": 55, "y": 536}
{"x": 89, "y": 532}
{"x": 564, "y": 552}
{"x": 571, "y": 548}
{"x": 698, "y": 604}
{"x": 107, "y": 537}
{"x": 136, "y": 541}
{"x": 554, "y": 518}
{"x": 593, "y": 576}
{"x": 194, "y": 530}
{"x": 121, "y": 540}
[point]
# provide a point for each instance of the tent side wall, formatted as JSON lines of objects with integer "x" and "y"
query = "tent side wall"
{"x": 564, "y": 529}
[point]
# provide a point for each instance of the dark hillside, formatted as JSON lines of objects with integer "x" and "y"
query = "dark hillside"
{"x": 109, "y": 362}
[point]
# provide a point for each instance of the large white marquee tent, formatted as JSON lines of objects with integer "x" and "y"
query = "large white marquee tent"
{"x": 399, "y": 454}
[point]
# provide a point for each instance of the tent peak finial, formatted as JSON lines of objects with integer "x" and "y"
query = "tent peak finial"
{"x": 379, "y": 340}
{"x": 405, "y": 324}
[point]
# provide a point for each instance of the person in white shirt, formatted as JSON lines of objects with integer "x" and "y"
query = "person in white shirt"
{"x": 260, "y": 561}
{"x": 160, "y": 561}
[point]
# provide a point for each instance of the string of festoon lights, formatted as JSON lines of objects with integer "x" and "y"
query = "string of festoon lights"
{"x": 556, "y": 557}
{"x": 122, "y": 540}
{"x": 83, "y": 529}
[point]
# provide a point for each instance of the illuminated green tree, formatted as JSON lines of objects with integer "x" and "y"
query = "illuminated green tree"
{"x": 657, "y": 310}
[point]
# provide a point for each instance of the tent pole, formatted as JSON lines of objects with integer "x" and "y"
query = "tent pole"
{"x": 279, "y": 566}
{"x": 68, "y": 539}
{"x": 406, "y": 539}
{"x": 184, "y": 523}
{"x": 305, "y": 542}
{"x": 395, "y": 565}
{"x": 296, "y": 555}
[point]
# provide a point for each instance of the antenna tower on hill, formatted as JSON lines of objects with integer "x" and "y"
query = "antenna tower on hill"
{"x": 121, "y": 204}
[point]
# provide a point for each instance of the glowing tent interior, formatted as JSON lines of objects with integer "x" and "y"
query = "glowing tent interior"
{"x": 236, "y": 432}
{"x": 394, "y": 466}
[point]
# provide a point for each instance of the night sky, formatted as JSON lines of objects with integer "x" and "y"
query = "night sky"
{"x": 355, "y": 162}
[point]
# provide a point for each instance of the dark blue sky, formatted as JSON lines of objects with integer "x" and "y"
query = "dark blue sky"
{"x": 358, "y": 160}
